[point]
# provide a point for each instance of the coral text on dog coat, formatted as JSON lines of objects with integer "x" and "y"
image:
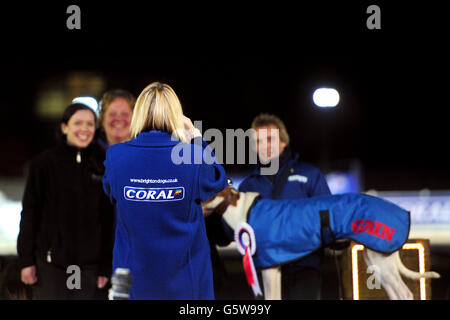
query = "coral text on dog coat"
{"x": 153, "y": 194}
{"x": 376, "y": 229}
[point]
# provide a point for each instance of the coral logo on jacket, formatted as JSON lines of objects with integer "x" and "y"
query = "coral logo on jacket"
{"x": 377, "y": 229}
{"x": 153, "y": 194}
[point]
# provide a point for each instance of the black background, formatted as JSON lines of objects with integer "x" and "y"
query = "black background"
{"x": 228, "y": 62}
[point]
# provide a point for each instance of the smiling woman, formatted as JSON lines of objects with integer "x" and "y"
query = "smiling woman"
{"x": 80, "y": 128}
{"x": 115, "y": 116}
{"x": 66, "y": 219}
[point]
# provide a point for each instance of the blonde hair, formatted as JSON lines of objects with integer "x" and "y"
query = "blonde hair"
{"x": 158, "y": 108}
{"x": 265, "y": 119}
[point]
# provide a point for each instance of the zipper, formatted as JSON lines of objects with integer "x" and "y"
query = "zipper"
{"x": 78, "y": 156}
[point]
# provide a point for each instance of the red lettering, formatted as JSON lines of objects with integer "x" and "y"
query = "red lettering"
{"x": 358, "y": 226}
{"x": 378, "y": 226}
{"x": 375, "y": 232}
{"x": 367, "y": 226}
{"x": 388, "y": 232}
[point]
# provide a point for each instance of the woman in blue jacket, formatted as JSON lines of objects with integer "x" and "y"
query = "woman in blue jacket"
{"x": 157, "y": 181}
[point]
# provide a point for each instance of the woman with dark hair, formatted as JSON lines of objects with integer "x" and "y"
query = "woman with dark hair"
{"x": 65, "y": 239}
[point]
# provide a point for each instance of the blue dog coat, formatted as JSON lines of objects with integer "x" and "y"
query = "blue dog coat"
{"x": 288, "y": 230}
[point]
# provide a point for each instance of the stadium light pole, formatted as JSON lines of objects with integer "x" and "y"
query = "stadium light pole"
{"x": 325, "y": 98}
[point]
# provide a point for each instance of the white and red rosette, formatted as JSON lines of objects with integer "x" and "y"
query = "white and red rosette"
{"x": 244, "y": 237}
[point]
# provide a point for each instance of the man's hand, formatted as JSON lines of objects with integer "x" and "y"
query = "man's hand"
{"x": 28, "y": 275}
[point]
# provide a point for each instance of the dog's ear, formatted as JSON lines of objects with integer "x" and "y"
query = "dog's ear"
{"x": 235, "y": 196}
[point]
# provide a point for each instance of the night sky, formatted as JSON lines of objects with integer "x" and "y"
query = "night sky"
{"x": 228, "y": 63}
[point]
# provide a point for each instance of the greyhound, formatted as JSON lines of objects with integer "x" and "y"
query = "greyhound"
{"x": 237, "y": 207}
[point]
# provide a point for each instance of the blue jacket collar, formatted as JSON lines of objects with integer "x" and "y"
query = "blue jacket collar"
{"x": 293, "y": 159}
{"x": 154, "y": 138}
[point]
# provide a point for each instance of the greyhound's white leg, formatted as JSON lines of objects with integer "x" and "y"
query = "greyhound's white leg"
{"x": 392, "y": 294}
{"x": 272, "y": 283}
{"x": 388, "y": 274}
{"x": 400, "y": 290}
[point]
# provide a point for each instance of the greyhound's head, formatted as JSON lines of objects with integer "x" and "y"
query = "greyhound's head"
{"x": 220, "y": 202}
{"x": 231, "y": 204}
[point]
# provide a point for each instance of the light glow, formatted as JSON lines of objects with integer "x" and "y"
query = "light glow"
{"x": 88, "y": 101}
{"x": 9, "y": 224}
{"x": 421, "y": 249}
{"x": 406, "y": 246}
{"x": 355, "y": 275}
{"x": 326, "y": 97}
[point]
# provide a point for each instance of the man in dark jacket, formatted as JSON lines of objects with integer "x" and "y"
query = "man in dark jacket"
{"x": 293, "y": 180}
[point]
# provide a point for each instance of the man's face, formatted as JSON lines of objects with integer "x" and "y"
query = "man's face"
{"x": 268, "y": 143}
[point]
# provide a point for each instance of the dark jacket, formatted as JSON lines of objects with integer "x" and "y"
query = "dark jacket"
{"x": 303, "y": 181}
{"x": 66, "y": 216}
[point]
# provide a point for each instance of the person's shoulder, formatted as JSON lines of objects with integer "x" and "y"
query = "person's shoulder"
{"x": 97, "y": 147}
{"x": 252, "y": 174}
{"x": 46, "y": 155}
{"x": 44, "y": 159}
{"x": 249, "y": 179}
{"x": 98, "y": 153}
{"x": 243, "y": 185}
{"x": 117, "y": 148}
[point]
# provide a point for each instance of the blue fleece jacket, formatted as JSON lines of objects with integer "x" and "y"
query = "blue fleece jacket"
{"x": 304, "y": 181}
{"x": 157, "y": 184}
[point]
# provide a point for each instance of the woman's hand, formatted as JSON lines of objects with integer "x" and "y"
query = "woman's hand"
{"x": 192, "y": 132}
{"x": 28, "y": 275}
{"x": 188, "y": 125}
{"x": 101, "y": 282}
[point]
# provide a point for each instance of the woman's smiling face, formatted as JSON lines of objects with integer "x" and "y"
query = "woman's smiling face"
{"x": 116, "y": 122}
{"x": 80, "y": 128}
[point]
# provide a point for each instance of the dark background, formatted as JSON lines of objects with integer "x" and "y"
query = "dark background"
{"x": 228, "y": 62}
